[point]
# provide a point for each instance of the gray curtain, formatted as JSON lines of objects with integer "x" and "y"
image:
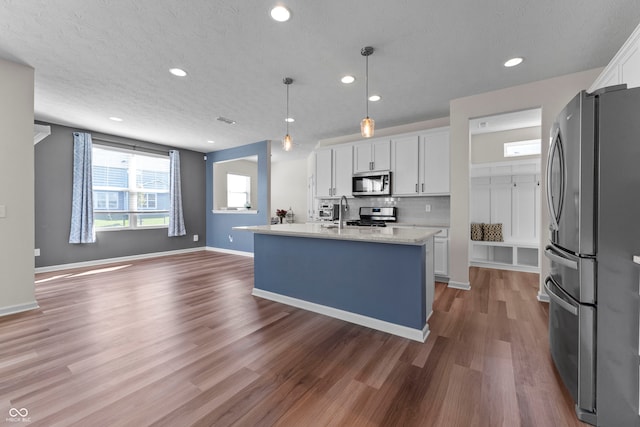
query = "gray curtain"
{"x": 82, "y": 230}
{"x": 176, "y": 217}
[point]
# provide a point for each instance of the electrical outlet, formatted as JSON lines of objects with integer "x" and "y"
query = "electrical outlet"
{"x": 230, "y": 238}
{"x": 196, "y": 237}
{"x": 36, "y": 252}
{"x": 427, "y": 208}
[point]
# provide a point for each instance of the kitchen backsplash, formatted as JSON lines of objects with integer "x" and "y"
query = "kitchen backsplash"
{"x": 411, "y": 210}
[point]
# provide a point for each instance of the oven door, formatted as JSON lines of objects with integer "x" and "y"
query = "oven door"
{"x": 572, "y": 342}
{"x": 571, "y": 177}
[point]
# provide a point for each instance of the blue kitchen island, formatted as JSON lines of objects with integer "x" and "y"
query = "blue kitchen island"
{"x": 381, "y": 278}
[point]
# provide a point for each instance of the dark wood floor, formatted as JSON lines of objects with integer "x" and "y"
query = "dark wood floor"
{"x": 180, "y": 341}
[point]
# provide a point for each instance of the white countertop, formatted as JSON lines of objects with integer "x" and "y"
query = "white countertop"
{"x": 397, "y": 235}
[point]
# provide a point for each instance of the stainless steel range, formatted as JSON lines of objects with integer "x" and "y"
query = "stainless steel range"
{"x": 375, "y": 217}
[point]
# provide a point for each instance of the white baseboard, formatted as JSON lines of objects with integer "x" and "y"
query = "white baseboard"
{"x": 542, "y": 297}
{"x": 229, "y": 251}
{"x": 358, "y": 319}
{"x": 465, "y": 286}
{"x": 13, "y": 309}
{"x": 112, "y": 260}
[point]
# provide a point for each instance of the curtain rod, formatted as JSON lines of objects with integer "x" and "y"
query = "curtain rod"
{"x": 132, "y": 146}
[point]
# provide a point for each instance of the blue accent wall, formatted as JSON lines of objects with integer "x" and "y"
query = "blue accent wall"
{"x": 219, "y": 225}
{"x": 378, "y": 280}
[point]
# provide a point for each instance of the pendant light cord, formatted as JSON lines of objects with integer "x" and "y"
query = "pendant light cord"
{"x": 286, "y": 119}
{"x": 366, "y": 80}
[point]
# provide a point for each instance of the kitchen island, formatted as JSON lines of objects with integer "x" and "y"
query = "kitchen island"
{"x": 381, "y": 278}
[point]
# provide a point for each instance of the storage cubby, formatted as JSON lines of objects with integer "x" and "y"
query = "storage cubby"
{"x": 506, "y": 255}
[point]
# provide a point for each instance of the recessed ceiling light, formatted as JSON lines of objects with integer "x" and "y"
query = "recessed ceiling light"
{"x": 374, "y": 98}
{"x": 115, "y": 119}
{"x": 178, "y": 72}
{"x": 348, "y": 79}
{"x": 280, "y": 14}
{"x": 211, "y": 141}
{"x": 290, "y": 119}
{"x": 513, "y": 62}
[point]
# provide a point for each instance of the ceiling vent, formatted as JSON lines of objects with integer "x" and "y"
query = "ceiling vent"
{"x": 225, "y": 120}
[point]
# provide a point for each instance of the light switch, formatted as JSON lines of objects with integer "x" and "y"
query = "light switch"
{"x": 3, "y": 211}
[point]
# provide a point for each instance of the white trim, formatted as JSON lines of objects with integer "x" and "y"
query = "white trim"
{"x": 112, "y": 260}
{"x": 229, "y": 251}
{"x": 234, "y": 211}
{"x": 503, "y": 266}
{"x": 13, "y": 309}
{"x": 465, "y": 286}
{"x": 40, "y": 132}
{"x": 542, "y": 297}
{"x": 358, "y": 319}
{"x": 614, "y": 65}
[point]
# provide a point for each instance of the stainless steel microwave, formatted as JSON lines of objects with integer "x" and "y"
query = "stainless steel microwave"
{"x": 372, "y": 184}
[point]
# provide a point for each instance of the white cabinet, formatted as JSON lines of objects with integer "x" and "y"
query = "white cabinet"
{"x": 333, "y": 171}
{"x": 434, "y": 155}
{"x": 372, "y": 156}
{"x": 624, "y": 67}
{"x": 405, "y": 165}
{"x": 421, "y": 164}
{"x": 441, "y": 254}
{"x": 513, "y": 201}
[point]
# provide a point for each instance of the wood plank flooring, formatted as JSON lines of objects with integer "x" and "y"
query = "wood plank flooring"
{"x": 180, "y": 341}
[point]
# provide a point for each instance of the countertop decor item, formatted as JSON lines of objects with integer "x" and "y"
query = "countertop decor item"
{"x": 281, "y": 213}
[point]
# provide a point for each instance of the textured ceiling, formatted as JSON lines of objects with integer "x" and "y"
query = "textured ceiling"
{"x": 100, "y": 58}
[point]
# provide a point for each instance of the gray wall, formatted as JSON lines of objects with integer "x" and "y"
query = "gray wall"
{"x": 53, "y": 178}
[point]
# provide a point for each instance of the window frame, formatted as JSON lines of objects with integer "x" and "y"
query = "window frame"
{"x": 132, "y": 213}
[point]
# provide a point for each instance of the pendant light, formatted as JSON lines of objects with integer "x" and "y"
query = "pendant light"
{"x": 287, "y": 142}
{"x": 368, "y": 124}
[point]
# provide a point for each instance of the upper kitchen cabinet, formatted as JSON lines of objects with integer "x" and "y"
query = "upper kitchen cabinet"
{"x": 624, "y": 68}
{"x": 421, "y": 164}
{"x": 372, "y": 156}
{"x": 334, "y": 171}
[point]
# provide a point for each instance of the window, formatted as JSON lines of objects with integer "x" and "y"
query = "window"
{"x": 522, "y": 148}
{"x": 130, "y": 189}
{"x": 238, "y": 190}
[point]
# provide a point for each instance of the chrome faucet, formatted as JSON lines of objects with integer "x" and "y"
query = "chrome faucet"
{"x": 340, "y": 214}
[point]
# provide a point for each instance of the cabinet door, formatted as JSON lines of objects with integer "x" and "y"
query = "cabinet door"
{"x": 441, "y": 256}
{"x": 362, "y": 157}
{"x": 435, "y": 163}
{"x": 381, "y": 155}
{"x": 525, "y": 204}
{"x": 324, "y": 173}
{"x": 343, "y": 172}
{"x": 405, "y": 166}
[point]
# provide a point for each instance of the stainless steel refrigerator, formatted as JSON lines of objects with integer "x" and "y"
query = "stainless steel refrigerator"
{"x": 593, "y": 193}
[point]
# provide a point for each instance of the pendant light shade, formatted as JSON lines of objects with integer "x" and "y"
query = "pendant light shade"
{"x": 367, "y": 125}
{"x": 287, "y": 142}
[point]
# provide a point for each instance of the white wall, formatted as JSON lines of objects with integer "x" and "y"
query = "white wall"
{"x": 551, "y": 95}
{"x": 289, "y": 188}
{"x": 17, "y": 291}
{"x": 489, "y": 147}
{"x": 237, "y": 167}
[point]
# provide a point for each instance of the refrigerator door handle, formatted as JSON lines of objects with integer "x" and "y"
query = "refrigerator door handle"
{"x": 558, "y": 258}
{"x": 553, "y": 215}
{"x": 557, "y": 299}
